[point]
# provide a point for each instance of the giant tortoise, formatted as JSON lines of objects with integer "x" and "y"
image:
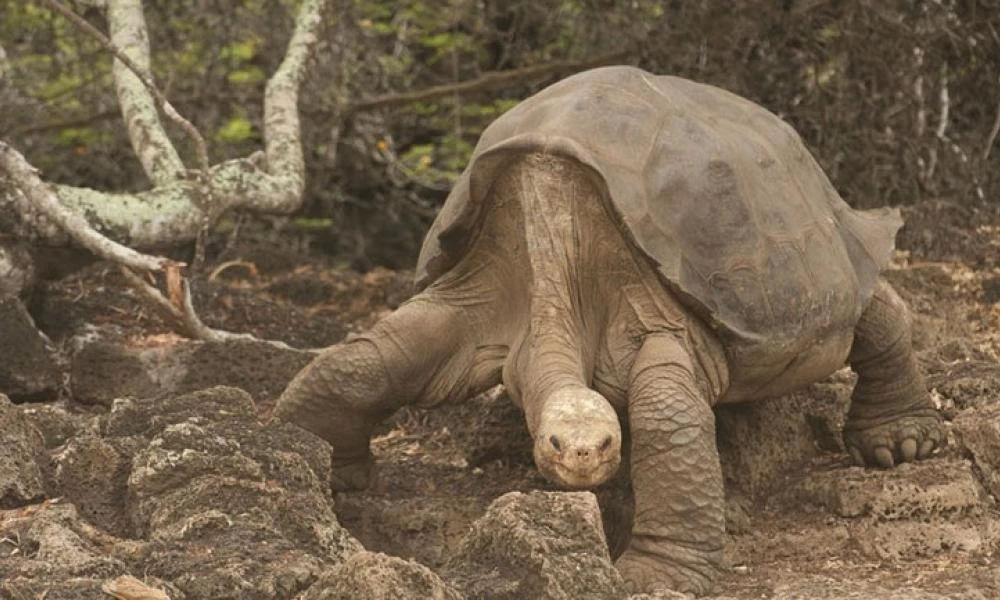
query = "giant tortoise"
{"x": 627, "y": 250}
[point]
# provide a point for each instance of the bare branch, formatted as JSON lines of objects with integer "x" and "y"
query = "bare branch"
{"x": 181, "y": 311}
{"x": 130, "y": 46}
{"x": 165, "y": 215}
{"x": 918, "y": 91}
{"x": 945, "y": 102}
{"x": 488, "y": 81}
{"x": 26, "y": 178}
{"x": 31, "y": 224}
{"x": 4, "y": 64}
{"x": 181, "y": 314}
{"x": 992, "y": 137}
{"x": 93, "y": 117}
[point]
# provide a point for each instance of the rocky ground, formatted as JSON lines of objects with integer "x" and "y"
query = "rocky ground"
{"x": 127, "y": 451}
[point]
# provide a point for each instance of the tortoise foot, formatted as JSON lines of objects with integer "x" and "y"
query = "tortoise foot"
{"x": 650, "y": 573}
{"x": 906, "y": 438}
{"x": 352, "y": 474}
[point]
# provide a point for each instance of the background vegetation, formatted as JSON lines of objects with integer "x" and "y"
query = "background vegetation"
{"x": 898, "y": 99}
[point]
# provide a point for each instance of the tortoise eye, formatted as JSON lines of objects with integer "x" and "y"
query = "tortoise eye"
{"x": 605, "y": 444}
{"x": 555, "y": 442}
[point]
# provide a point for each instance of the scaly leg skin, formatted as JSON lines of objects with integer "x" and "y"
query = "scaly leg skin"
{"x": 421, "y": 353}
{"x": 679, "y": 525}
{"x": 892, "y": 419}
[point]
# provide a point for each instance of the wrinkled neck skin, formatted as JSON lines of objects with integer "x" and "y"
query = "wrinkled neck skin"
{"x": 576, "y": 430}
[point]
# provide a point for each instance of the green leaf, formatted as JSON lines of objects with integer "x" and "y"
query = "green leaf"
{"x": 237, "y": 129}
{"x": 247, "y": 76}
{"x": 241, "y": 51}
{"x": 312, "y": 224}
{"x": 438, "y": 41}
{"x": 72, "y": 136}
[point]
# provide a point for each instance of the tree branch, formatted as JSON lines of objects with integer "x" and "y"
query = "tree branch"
{"x": 4, "y": 64}
{"x": 166, "y": 216}
{"x": 282, "y": 131}
{"x": 488, "y": 81}
{"x": 34, "y": 189}
{"x": 91, "y": 118}
{"x": 129, "y": 44}
{"x": 171, "y": 211}
{"x": 180, "y": 311}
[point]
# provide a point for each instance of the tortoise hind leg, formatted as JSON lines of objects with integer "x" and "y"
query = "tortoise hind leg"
{"x": 891, "y": 419}
{"x": 422, "y": 353}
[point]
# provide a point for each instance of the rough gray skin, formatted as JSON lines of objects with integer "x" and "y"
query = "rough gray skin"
{"x": 630, "y": 250}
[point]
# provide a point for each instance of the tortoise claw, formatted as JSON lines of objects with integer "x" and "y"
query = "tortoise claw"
{"x": 883, "y": 456}
{"x": 352, "y": 474}
{"x": 909, "y": 438}
{"x": 908, "y": 450}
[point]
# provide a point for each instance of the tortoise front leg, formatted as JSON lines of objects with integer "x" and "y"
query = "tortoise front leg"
{"x": 891, "y": 419}
{"x": 420, "y": 354}
{"x": 676, "y": 476}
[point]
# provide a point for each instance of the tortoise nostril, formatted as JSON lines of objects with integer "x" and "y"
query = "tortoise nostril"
{"x": 582, "y": 453}
{"x": 555, "y": 443}
{"x": 605, "y": 444}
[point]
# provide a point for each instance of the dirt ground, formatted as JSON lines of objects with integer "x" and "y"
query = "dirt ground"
{"x": 131, "y": 459}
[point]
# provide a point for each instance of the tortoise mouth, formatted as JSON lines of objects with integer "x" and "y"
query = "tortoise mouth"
{"x": 578, "y": 478}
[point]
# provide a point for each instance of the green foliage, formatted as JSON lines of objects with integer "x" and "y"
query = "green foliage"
{"x": 62, "y": 85}
{"x": 236, "y": 129}
{"x": 242, "y": 50}
{"x": 18, "y": 17}
{"x": 249, "y": 75}
{"x": 238, "y": 55}
{"x": 438, "y": 42}
{"x": 843, "y": 73}
{"x": 78, "y": 136}
{"x": 312, "y": 224}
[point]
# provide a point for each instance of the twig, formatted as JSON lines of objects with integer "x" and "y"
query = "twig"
{"x": 249, "y": 266}
{"x": 115, "y": 113}
{"x": 945, "y": 104}
{"x": 167, "y": 108}
{"x": 488, "y": 81}
{"x": 31, "y": 185}
{"x": 993, "y": 135}
{"x": 918, "y": 92}
{"x": 181, "y": 311}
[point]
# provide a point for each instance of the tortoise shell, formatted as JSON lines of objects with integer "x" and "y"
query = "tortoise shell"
{"x": 719, "y": 193}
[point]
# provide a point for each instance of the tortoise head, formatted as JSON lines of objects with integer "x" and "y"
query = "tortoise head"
{"x": 578, "y": 439}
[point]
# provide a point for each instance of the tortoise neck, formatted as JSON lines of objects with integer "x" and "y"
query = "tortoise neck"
{"x": 565, "y": 318}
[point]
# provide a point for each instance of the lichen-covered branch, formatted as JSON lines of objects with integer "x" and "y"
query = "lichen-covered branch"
{"x": 166, "y": 215}
{"x": 128, "y": 25}
{"x": 25, "y": 177}
{"x": 130, "y": 45}
{"x": 170, "y": 213}
{"x": 282, "y": 132}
